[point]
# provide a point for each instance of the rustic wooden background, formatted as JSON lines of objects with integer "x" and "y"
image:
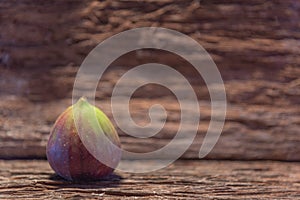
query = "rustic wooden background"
{"x": 255, "y": 44}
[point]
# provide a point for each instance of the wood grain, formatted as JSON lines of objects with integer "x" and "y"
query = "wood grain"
{"x": 248, "y": 133}
{"x": 182, "y": 180}
{"x": 238, "y": 34}
{"x": 254, "y": 44}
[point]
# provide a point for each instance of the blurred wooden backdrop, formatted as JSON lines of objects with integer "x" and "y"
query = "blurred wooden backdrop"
{"x": 255, "y": 44}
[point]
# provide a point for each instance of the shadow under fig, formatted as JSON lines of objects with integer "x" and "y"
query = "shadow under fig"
{"x": 112, "y": 180}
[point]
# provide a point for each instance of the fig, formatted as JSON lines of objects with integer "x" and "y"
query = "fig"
{"x": 83, "y": 143}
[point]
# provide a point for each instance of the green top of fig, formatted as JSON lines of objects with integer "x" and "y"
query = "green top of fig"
{"x": 91, "y": 117}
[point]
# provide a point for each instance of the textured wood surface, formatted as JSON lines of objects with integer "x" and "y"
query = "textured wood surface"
{"x": 181, "y": 180}
{"x": 237, "y": 33}
{"x": 254, "y": 44}
{"x": 246, "y": 135}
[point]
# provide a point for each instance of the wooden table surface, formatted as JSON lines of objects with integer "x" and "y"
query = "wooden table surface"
{"x": 34, "y": 179}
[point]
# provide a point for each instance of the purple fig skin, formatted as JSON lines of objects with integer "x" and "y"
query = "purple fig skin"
{"x": 67, "y": 155}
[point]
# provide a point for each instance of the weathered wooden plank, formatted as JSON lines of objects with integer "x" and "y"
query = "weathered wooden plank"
{"x": 259, "y": 33}
{"x": 262, "y": 118}
{"x": 250, "y": 132}
{"x": 255, "y": 45}
{"x": 32, "y": 179}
